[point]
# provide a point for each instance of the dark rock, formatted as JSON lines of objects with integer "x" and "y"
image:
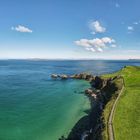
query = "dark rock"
{"x": 97, "y": 82}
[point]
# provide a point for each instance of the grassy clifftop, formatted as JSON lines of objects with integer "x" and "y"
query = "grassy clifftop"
{"x": 127, "y": 115}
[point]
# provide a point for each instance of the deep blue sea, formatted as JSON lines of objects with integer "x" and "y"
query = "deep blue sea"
{"x": 35, "y": 107}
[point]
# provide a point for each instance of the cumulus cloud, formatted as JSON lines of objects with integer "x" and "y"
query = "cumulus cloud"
{"x": 96, "y": 27}
{"x": 22, "y": 29}
{"x": 97, "y": 44}
{"x": 90, "y": 49}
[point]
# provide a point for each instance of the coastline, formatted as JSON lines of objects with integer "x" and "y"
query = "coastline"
{"x": 90, "y": 127}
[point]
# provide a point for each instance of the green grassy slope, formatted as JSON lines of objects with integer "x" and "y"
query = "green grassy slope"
{"x": 127, "y": 115}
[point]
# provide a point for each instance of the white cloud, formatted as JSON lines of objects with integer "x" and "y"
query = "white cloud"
{"x": 22, "y": 29}
{"x": 130, "y": 28}
{"x": 97, "y": 44}
{"x": 96, "y": 27}
{"x": 117, "y": 5}
{"x": 90, "y": 49}
{"x": 83, "y": 42}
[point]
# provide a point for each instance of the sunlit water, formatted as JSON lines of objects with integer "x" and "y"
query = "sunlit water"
{"x": 35, "y": 107}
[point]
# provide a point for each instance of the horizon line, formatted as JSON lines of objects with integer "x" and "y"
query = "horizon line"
{"x": 37, "y": 59}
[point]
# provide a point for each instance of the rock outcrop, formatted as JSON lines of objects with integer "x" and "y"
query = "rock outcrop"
{"x": 98, "y": 82}
{"x": 84, "y": 76}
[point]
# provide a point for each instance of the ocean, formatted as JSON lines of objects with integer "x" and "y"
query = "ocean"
{"x": 35, "y": 107}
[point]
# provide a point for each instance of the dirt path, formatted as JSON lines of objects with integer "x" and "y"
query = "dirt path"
{"x": 110, "y": 122}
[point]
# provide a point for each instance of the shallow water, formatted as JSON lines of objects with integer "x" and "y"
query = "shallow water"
{"x": 35, "y": 107}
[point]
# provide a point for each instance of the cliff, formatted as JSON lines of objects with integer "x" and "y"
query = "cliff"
{"x": 102, "y": 91}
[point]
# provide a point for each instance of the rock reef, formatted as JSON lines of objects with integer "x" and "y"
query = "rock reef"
{"x": 82, "y": 76}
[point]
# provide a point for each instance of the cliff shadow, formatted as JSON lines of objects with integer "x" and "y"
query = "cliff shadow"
{"x": 79, "y": 128}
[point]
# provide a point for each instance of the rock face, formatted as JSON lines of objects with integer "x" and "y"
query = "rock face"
{"x": 106, "y": 89}
{"x": 98, "y": 83}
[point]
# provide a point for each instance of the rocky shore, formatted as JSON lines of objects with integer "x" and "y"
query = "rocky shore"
{"x": 81, "y": 76}
{"x": 102, "y": 89}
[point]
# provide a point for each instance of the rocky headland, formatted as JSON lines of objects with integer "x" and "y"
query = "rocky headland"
{"x": 90, "y": 127}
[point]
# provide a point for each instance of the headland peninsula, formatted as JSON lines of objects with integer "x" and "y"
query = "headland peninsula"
{"x": 114, "y": 99}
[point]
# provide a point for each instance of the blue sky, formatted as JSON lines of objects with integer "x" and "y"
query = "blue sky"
{"x": 72, "y": 29}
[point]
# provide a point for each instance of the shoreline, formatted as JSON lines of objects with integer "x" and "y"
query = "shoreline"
{"x": 90, "y": 127}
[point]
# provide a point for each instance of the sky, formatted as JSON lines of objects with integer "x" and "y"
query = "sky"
{"x": 70, "y": 29}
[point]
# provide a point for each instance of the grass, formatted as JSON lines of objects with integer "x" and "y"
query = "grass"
{"x": 127, "y": 115}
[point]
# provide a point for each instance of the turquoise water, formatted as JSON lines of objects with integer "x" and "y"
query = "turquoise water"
{"x": 35, "y": 107}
